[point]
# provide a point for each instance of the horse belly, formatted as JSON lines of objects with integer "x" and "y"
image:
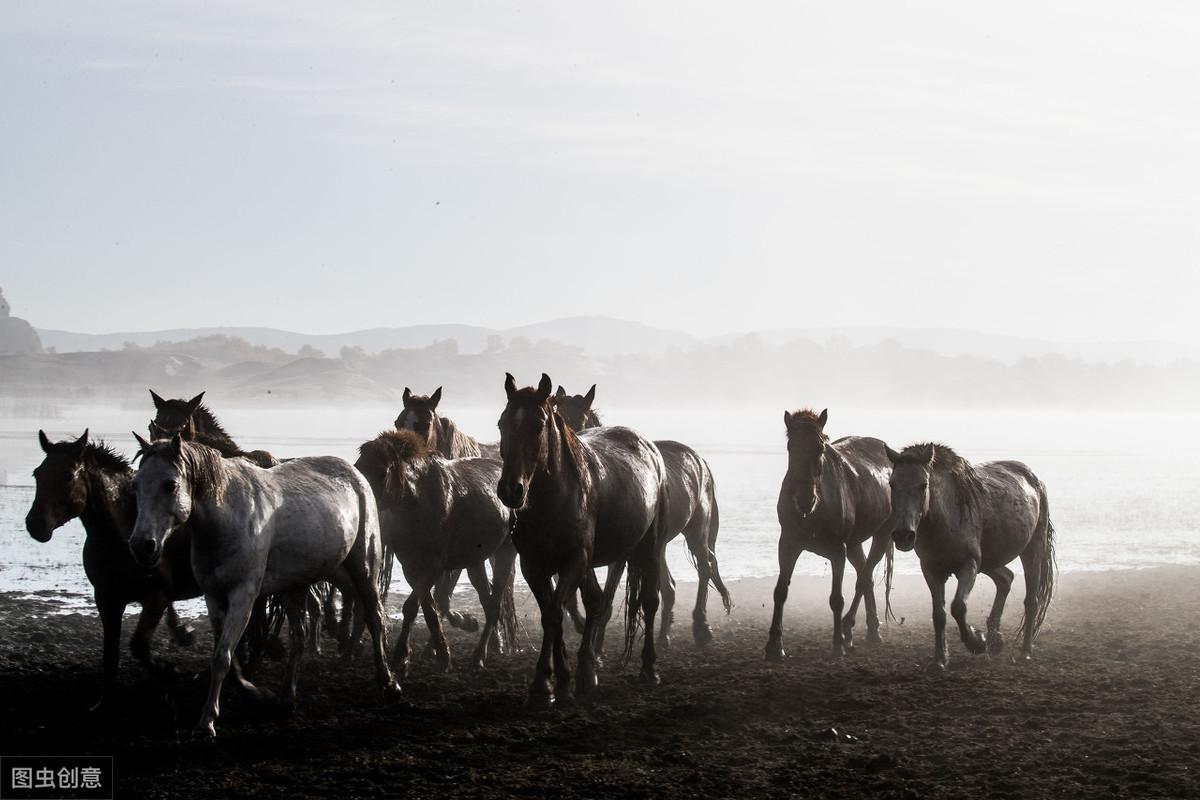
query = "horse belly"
{"x": 307, "y": 544}
{"x": 1011, "y": 524}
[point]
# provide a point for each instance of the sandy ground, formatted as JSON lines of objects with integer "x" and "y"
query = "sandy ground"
{"x": 1110, "y": 707}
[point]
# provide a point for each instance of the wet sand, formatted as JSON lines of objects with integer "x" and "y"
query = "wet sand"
{"x": 1110, "y": 707}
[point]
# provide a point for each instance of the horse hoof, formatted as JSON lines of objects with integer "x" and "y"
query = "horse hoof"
{"x": 664, "y": 642}
{"x": 539, "y": 702}
{"x": 1024, "y": 658}
{"x": 184, "y": 636}
{"x": 391, "y": 692}
{"x": 775, "y": 652}
{"x": 101, "y": 707}
{"x": 586, "y": 681}
{"x": 465, "y": 622}
{"x": 873, "y": 637}
{"x": 649, "y": 677}
{"x": 978, "y": 645}
{"x": 995, "y": 643}
{"x": 206, "y": 732}
{"x": 702, "y": 634}
{"x": 935, "y": 667}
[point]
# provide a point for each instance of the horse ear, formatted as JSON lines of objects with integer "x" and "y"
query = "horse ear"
{"x": 821, "y": 420}
{"x": 142, "y": 443}
{"x": 407, "y": 396}
{"x": 510, "y": 385}
{"x": 435, "y": 398}
{"x": 590, "y": 397}
{"x": 892, "y": 455}
{"x": 561, "y": 392}
{"x": 158, "y": 401}
{"x": 43, "y": 441}
{"x": 787, "y": 420}
{"x": 81, "y": 444}
{"x": 545, "y": 386}
{"x": 194, "y": 403}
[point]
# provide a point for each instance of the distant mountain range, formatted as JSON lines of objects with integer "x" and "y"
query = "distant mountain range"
{"x": 602, "y": 337}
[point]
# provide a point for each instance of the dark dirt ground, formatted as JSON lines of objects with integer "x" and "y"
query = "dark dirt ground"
{"x": 1110, "y": 707}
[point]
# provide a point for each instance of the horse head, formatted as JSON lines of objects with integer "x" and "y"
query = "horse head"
{"x": 576, "y": 410}
{"x": 524, "y": 438}
{"x": 419, "y": 415}
{"x": 174, "y": 416}
{"x": 62, "y": 487}
{"x": 911, "y": 473}
{"x": 807, "y": 445}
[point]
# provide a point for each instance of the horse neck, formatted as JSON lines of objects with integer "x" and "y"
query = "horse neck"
{"x": 437, "y": 442}
{"x": 111, "y": 508}
{"x": 834, "y": 483}
{"x": 945, "y": 503}
{"x": 556, "y": 476}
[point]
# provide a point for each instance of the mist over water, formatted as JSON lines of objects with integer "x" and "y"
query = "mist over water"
{"x": 1121, "y": 484}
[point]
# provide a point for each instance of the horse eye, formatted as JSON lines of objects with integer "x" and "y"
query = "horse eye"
{"x": 169, "y": 486}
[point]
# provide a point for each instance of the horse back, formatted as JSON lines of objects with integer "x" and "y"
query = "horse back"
{"x": 463, "y": 517}
{"x": 628, "y": 479}
{"x": 690, "y": 488}
{"x": 862, "y": 483}
{"x": 1015, "y": 501}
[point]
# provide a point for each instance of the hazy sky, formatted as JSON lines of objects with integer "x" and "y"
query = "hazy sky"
{"x": 1021, "y": 169}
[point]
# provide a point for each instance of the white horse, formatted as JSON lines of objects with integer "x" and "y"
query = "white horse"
{"x": 258, "y": 532}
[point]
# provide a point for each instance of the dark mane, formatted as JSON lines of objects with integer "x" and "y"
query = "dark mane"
{"x": 210, "y": 423}
{"x": 570, "y": 440}
{"x": 101, "y": 455}
{"x": 392, "y": 451}
{"x": 949, "y": 463}
{"x": 592, "y": 418}
{"x": 204, "y": 465}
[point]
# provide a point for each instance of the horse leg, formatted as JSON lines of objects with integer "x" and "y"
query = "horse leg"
{"x": 541, "y": 691}
{"x": 230, "y": 621}
{"x": 420, "y": 585}
{"x": 367, "y": 606}
{"x": 1032, "y": 560}
{"x": 569, "y": 580}
{"x": 1003, "y": 578}
{"x": 696, "y": 536}
{"x": 836, "y": 602}
{"x": 437, "y": 634}
{"x": 651, "y": 556}
{"x": 294, "y": 605}
{"x": 666, "y": 587}
{"x": 183, "y": 634}
{"x": 937, "y": 593}
{"x": 866, "y": 584}
{"x": 789, "y": 551}
{"x": 611, "y": 584}
{"x": 574, "y": 613}
{"x": 442, "y": 594}
{"x": 329, "y": 609}
{"x": 973, "y": 639}
{"x": 153, "y": 607}
{"x": 312, "y": 619}
{"x": 489, "y": 599}
{"x": 111, "y": 611}
{"x": 854, "y": 554}
{"x": 593, "y": 602}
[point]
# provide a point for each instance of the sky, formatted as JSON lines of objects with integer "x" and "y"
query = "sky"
{"x": 1029, "y": 169}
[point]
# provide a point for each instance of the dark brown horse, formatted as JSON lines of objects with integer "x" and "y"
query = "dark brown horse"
{"x": 192, "y": 420}
{"x": 596, "y": 498}
{"x": 964, "y": 519}
{"x": 437, "y": 514}
{"x": 693, "y": 512}
{"x": 834, "y": 497}
{"x": 441, "y": 435}
{"x": 95, "y": 484}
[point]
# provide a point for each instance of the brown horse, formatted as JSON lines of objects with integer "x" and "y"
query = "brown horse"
{"x": 437, "y": 514}
{"x": 95, "y": 484}
{"x": 441, "y": 435}
{"x": 834, "y": 497}
{"x": 964, "y": 519}
{"x": 596, "y": 498}
{"x": 693, "y": 512}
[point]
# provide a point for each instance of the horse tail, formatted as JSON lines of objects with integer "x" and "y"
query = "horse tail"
{"x": 714, "y": 527}
{"x": 889, "y": 572}
{"x": 1049, "y": 566}
{"x": 645, "y": 554}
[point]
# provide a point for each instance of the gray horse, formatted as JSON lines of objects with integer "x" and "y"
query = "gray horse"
{"x": 964, "y": 519}
{"x": 834, "y": 497}
{"x": 437, "y": 514}
{"x": 261, "y": 531}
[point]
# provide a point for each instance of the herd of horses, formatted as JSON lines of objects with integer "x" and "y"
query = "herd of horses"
{"x": 265, "y": 540}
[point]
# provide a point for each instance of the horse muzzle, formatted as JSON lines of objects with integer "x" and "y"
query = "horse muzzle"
{"x": 145, "y": 550}
{"x": 512, "y": 493}
{"x": 39, "y": 527}
{"x": 905, "y": 539}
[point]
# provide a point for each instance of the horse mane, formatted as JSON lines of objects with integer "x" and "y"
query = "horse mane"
{"x": 102, "y": 455}
{"x": 592, "y": 419}
{"x": 574, "y": 449}
{"x": 205, "y": 467}
{"x": 950, "y": 464}
{"x": 458, "y": 443}
{"x": 394, "y": 449}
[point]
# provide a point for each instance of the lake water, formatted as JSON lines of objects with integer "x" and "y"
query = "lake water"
{"x": 1122, "y": 486}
